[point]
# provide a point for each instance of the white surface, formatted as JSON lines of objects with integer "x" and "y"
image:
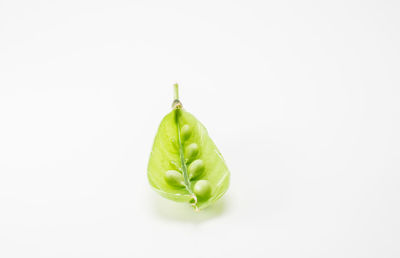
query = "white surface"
{"x": 302, "y": 98}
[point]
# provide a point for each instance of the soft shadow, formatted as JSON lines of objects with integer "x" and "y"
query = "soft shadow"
{"x": 173, "y": 211}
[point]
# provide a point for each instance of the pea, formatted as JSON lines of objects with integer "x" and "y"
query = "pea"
{"x": 191, "y": 169}
{"x": 196, "y": 169}
{"x": 202, "y": 189}
{"x": 191, "y": 151}
{"x": 174, "y": 178}
{"x": 185, "y": 132}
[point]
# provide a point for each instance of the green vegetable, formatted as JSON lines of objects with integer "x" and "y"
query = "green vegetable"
{"x": 185, "y": 165}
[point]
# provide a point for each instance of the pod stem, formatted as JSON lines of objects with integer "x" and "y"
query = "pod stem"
{"x": 176, "y": 91}
{"x": 176, "y": 104}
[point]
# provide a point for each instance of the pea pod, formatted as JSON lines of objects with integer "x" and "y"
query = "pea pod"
{"x": 185, "y": 165}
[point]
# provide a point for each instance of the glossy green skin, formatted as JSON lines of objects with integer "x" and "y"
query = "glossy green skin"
{"x": 169, "y": 151}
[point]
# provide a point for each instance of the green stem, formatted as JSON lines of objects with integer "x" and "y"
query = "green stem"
{"x": 176, "y": 91}
{"x": 176, "y": 104}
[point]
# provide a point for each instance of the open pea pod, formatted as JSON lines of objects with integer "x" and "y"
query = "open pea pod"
{"x": 185, "y": 165}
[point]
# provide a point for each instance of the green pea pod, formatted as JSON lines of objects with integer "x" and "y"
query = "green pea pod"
{"x": 185, "y": 165}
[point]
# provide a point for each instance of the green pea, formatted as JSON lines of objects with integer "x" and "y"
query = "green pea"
{"x": 196, "y": 168}
{"x": 191, "y": 151}
{"x": 174, "y": 178}
{"x": 202, "y": 189}
{"x": 185, "y": 132}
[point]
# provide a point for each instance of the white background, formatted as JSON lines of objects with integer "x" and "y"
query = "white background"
{"x": 302, "y": 98}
